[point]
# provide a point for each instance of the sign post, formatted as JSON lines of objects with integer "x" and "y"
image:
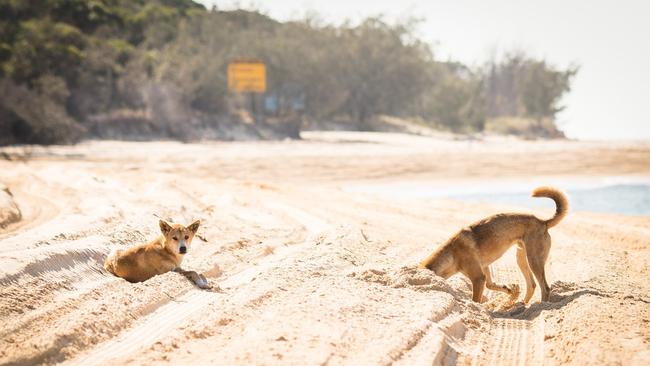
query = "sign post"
{"x": 247, "y": 76}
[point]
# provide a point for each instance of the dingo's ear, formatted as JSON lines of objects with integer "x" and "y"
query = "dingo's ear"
{"x": 194, "y": 226}
{"x": 165, "y": 228}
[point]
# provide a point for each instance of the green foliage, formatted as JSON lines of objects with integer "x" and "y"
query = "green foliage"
{"x": 454, "y": 100}
{"x": 36, "y": 115}
{"x": 88, "y": 61}
{"x": 354, "y": 72}
{"x": 382, "y": 73}
{"x": 524, "y": 87}
{"x": 42, "y": 46}
{"x": 121, "y": 50}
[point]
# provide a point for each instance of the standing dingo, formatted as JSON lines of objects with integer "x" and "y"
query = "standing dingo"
{"x": 474, "y": 248}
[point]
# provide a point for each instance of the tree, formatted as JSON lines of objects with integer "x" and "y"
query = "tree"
{"x": 521, "y": 86}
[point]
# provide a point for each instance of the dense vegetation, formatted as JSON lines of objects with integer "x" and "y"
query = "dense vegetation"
{"x": 157, "y": 69}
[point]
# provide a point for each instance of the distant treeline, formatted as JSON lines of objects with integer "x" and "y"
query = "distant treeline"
{"x": 157, "y": 69}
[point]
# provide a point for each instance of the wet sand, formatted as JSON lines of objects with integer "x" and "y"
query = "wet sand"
{"x": 308, "y": 271}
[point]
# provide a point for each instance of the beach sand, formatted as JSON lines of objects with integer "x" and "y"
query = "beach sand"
{"x": 306, "y": 271}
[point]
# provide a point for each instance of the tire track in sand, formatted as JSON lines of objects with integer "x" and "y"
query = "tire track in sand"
{"x": 35, "y": 209}
{"x": 433, "y": 343}
{"x": 46, "y": 295}
{"x": 189, "y": 304}
{"x": 45, "y": 286}
{"x": 507, "y": 341}
{"x": 467, "y": 334}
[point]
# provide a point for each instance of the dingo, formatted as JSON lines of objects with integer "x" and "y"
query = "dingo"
{"x": 474, "y": 248}
{"x": 163, "y": 254}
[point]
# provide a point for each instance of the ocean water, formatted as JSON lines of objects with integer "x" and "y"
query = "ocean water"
{"x": 610, "y": 195}
{"x": 627, "y": 199}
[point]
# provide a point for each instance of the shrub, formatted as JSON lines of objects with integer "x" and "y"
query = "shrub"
{"x": 36, "y": 116}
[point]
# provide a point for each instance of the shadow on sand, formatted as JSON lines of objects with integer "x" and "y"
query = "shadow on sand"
{"x": 561, "y": 295}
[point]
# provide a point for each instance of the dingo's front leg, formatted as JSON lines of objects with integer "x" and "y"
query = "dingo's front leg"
{"x": 197, "y": 278}
{"x": 512, "y": 290}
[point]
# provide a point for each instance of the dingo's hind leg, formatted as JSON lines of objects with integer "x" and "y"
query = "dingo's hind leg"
{"x": 525, "y": 270}
{"x": 537, "y": 253}
{"x": 111, "y": 261}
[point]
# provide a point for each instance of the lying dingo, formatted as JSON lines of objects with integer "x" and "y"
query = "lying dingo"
{"x": 475, "y": 247}
{"x": 163, "y": 254}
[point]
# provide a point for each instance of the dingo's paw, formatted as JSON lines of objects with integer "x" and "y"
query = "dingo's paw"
{"x": 203, "y": 283}
{"x": 514, "y": 290}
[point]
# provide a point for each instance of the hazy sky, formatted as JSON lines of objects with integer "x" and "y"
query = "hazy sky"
{"x": 610, "y": 40}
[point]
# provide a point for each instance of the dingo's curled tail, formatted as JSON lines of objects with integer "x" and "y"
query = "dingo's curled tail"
{"x": 561, "y": 203}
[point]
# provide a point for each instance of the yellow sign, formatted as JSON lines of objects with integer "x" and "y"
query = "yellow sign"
{"x": 247, "y": 76}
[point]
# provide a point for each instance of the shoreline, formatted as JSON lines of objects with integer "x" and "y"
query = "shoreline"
{"x": 516, "y": 192}
{"x": 455, "y": 187}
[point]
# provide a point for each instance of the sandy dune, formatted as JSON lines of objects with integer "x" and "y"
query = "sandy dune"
{"x": 308, "y": 272}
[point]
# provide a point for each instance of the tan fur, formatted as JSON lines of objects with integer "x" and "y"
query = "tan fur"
{"x": 474, "y": 248}
{"x": 161, "y": 255}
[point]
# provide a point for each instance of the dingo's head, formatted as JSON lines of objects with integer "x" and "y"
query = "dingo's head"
{"x": 441, "y": 262}
{"x": 178, "y": 237}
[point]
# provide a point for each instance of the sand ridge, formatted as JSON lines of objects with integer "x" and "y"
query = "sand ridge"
{"x": 308, "y": 272}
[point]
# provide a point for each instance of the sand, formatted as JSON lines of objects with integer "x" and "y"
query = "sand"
{"x": 305, "y": 270}
{"x": 9, "y": 211}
